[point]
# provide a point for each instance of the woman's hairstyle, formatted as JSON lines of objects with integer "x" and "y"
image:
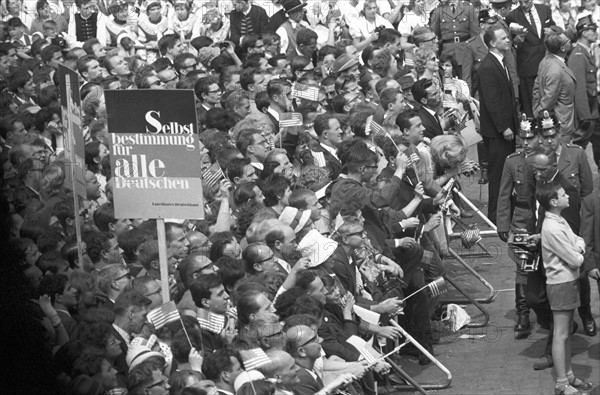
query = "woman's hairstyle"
{"x": 53, "y": 178}
{"x": 449, "y": 58}
{"x": 448, "y": 150}
{"x": 422, "y": 55}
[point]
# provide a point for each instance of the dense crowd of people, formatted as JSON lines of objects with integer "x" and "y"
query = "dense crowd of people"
{"x": 333, "y": 141}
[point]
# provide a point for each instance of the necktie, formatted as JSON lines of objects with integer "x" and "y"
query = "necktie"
{"x": 453, "y": 9}
{"x": 533, "y": 22}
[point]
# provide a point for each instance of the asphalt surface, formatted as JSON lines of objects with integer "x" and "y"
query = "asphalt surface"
{"x": 488, "y": 360}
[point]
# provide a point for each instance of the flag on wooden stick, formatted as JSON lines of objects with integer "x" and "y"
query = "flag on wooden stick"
{"x": 212, "y": 322}
{"x": 438, "y": 286}
{"x": 213, "y": 174}
{"x": 306, "y": 92}
{"x": 290, "y": 119}
{"x": 361, "y": 346}
{"x": 254, "y": 358}
{"x": 163, "y": 315}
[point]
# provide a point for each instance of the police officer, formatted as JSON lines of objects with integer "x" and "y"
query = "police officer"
{"x": 516, "y": 212}
{"x": 476, "y": 51}
{"x": 454, "y": 22}
{"x": 573, "y": 165}
{"x": 582, "y": 64}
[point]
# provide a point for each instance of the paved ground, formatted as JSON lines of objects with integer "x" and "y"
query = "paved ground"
{"x": 492, "y": 362}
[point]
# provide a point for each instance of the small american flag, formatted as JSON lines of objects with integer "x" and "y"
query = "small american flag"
{"x": 362, "y": 348}
{"x": 213, "y": 174}
{"x": 254, "y": 358}
{"x": 438, "y": 286}
{"x": 163, "y": 315}
{"x": 460, "y": 125}
{"x": 307, "y": 92}
{"x": 289, "y": 119}
{"x": 210, "y": 321}
{"x": 376, "y": 129}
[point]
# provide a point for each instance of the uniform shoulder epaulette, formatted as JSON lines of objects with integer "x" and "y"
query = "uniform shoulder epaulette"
{"x": 569, "y": 145}
{"x": 517, "y": 153}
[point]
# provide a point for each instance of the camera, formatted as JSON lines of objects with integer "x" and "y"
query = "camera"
{"x": 378, "y": 29}
{"x": 518, "y": 239}
{"x": 527, "y": 257}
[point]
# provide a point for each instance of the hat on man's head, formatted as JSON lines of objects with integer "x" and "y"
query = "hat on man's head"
{"x": 293, "y": 5}
{"x": 139, "y": 354}
{"x": 344, "y": 62}
{"x": 150, "y": 4}
{"x": 294, "y": 218}
{"x": 487, "y": 16}
{"x": 526, "y": 128}
{"x": 584, "y": 23}
{"x": 208, "y": 54}
{"x": 500, "y": 3}
{"x": 422, "y": 34}
{"x": 406, "y": 81}
{"x": 548, "y": 124}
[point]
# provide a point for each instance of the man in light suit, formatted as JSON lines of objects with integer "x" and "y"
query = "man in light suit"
{"x": 498, "y": 110}
{"x": 530, "y": 46}
{"x": 555, "y": 85}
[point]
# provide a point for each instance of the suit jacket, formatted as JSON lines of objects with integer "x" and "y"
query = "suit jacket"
{"x": 430, "y": 123}
{"x": 498, "y": 106}
{"x": 510, "y": 57}
{"x": 590, "y": 230}
{"x": 259, "y": 18}
{"x": 554, "y": 90}
{"x": 308, "y": 385}
{"x": 331, "y": 162}
{"x": 574, "y": 166}
{"x": 121, "y": 363}
{"x": 531, "y": 51}
{"x": 584, "y": 69}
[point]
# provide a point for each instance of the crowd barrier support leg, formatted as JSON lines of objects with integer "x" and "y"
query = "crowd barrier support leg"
{"x": 413, "y": 384}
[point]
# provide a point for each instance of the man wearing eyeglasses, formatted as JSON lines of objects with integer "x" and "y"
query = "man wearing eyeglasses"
{"x": 184, "y": 63}
{"x": 190, "y": 269}
{"x": 112, "y": 280}
{"x": 304, "y": 346}
{"x": 168, "y": 77}
{"x": 253, "y": 146}
{"x": 146, "y": 379}
{"x": 208, "y": 93}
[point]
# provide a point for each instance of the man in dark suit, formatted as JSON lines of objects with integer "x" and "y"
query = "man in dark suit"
{"x": 498, "y": 110}
{"x": 430, "y": 99}
{"x": 328, "y": 128}
{"x": 530, "y": 46}
{"x": 303, "y": 343}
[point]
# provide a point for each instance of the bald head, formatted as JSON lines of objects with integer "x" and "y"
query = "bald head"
{"x": 283, "y": 368}
{"x": 544, "y": 166}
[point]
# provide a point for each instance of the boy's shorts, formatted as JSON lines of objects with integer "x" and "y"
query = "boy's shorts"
{"x": 563, "y": 296}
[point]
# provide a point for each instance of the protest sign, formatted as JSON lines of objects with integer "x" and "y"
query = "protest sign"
{"x": 155, "y": 154}
{"x": 74, "y": 145}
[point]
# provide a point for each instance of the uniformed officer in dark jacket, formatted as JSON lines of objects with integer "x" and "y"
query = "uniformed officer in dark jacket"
{"x": 454, "y": 22}
{"x": 476, "y": 51}
{"x": 581, "y": 62}
{"x": 516, "y": 212}
{"x": 573, "y": 165}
